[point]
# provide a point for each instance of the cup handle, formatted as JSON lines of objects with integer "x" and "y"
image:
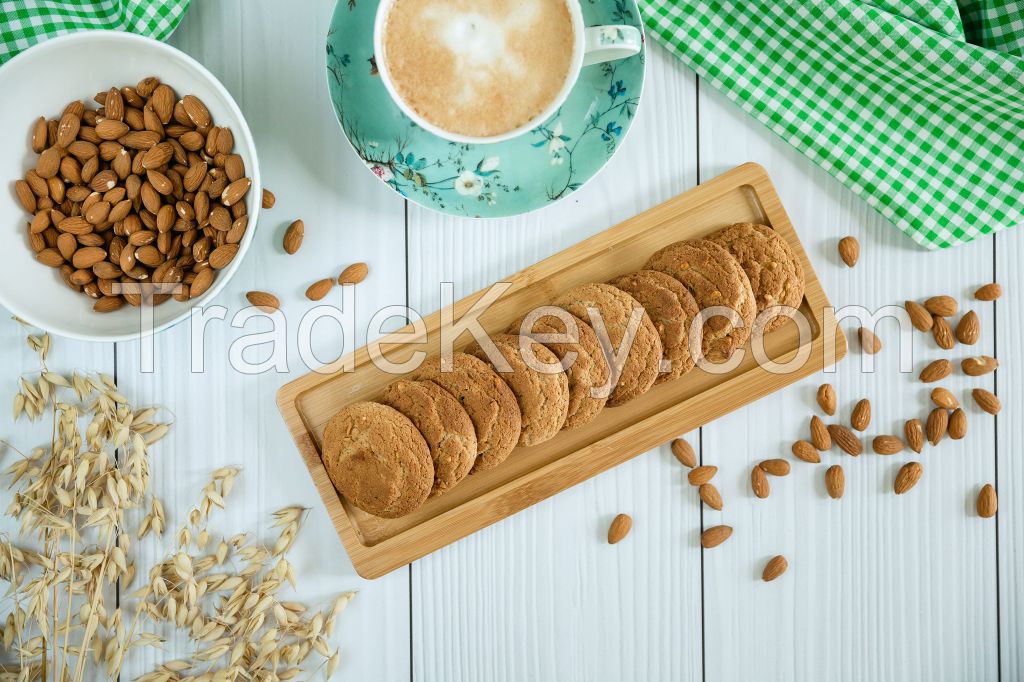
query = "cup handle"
{"x": 607, "y": 43}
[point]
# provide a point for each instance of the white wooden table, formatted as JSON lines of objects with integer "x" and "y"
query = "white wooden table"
{"x": 879, "y": 587}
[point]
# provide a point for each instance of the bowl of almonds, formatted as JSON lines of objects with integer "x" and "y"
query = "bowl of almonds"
{"x": 133, "y": 181}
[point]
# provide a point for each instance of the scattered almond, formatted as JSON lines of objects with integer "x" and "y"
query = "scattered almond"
{"x": 913, "y": 431}
{"x": 849, "y": 250}
{"x": 861, "y": 416}
{"x": 989, "y": 292}
{"x": 268, "y": 199}
{"x": 820, "y": 435}
{"x": 957, "y": 427}
{"x": 908, "y": 476}
{"x": 987, "y": 400}
{"x": 702, "y": 474}
{"x": 887, "y": 445}
{"x": 827, "y": 399}
{"x": 715, "y": 536}
{"x": 987, "y": 504}
{"x": 919, "y": 317}
{"x": 943, "y": 333}
{"x": 759, "y": 482}
{"x": 805, "y": 451}
{"x": 317, "y": 290}
{"x": 293, "y": 236}
{"x": 263, "y": 300}
{"x": 869, "y": 342}
{"x": 943, "y": 397}
{"x": 936, "y": 371}
{"x": 835, "y": 481}
{"x": 943, "y": 306}
{"x": 710, "y": 496}
{"x": 775, "y": 467}
{"x": 353, "y": 274}
{"x": 845, "y": 439}
{"x": 775, "y": 567}
{"x": 683, "y": 452}
{"x": 621, "y": 525}
{"x": 978, "y": 365}
{"x": 937, "y": 425}
{"x": 968, "y": 329}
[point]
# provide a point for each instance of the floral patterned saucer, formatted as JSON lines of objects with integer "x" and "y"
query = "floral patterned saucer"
{"x": 482, "y": 180}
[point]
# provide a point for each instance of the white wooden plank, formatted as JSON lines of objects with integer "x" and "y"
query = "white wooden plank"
{"x": 541, "y": 595}
{"x": 879, "y": 586}
{"x": 271, "y": 58}
{"x": 1009, "y": 479}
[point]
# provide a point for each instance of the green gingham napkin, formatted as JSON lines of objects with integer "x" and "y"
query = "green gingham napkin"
{"x": 23, "y": 23}
{"x": 917, "y": 106}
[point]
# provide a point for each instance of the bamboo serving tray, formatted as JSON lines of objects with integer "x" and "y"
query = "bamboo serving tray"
{"x": 378, "y": 546}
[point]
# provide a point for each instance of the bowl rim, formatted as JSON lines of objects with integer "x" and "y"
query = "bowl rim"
{"x": 242, "y": 134}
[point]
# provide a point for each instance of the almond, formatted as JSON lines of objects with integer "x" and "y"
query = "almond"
{"x": 39, "y": 135}
{"x": 908, "y": 476}
{"x": 268, "y": 199}
{"x": 775, "y": 567}
{"x": 26, "y": 197}
{"x": 849, "y": 250}
{"x": 158, "y": 156}
{"x": 978, "y": 365}
{"x": 67, "y": 129}
{"x": 775, "y": 467}
{"x": 943, "y": 397}
{"x": 196, "y": 111}
{"x": 88, "y": 256}
{"x": 48, "y": 163}
{"x": 987, "y": 400}
{"x": 293, "y": 236}
{"x": 936, "y": 426}
{"x": 710, "y": 496}
{"x": 235, "y": 192}
{"x": 943, "y": 333}
{"x": 806, "y": 451}
{"x": 887, "y": 445}
{"x": 108, "y": 304}
{"x": 919, "y": 317}
{"x": 989, "y": 292}
{"x": 835, "y": 481}
{"x": 702, "y": 474}
{"x": 845, "y": 439}
{"x": 222, "y": 256}
{"x": 715, "y": 536}
{"x": 869, "y": 343}
{"x": 968, "y": 329}
{"x": 621, "y": 525}
{"x": 913, "y": 431}
{"x": 820, "y": 435}
{"x": 50, "y": 257}
{"x": 683, "y": 452}
{"x": 759, "y": 482}
{"x": 162, "y": 101}
{"x": 353, "y": 274}
{"x": 111, "y": 129}
{"x": 987, "y": 503}
{"x": 263, "y": 300}
{"x": 861, "y": 417}
{"x": 200, "y": 285}
{"x": 317, "y": 290}
{"x": 936, "y": 371}
{"x": 957, "y": 427}
{"x": 827, "y": 399}
{"x": 943, "y": 306}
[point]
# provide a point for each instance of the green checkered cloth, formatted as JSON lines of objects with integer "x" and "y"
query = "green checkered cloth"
{"x": 888, "y": 97}
{"x": 23, "y": 23}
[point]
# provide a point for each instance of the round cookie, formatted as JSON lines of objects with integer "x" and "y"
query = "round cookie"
{"x": 444, "y": 424}
{"x": 589, "y": 369}
{"x": 543, "y": 397}
{"x": 638, "y": 372}
{"x": 775, "y": 274}
{"x": 671, "y": 308}
{"x": 489, "y": 401}
{"x": 377, "y": 459}
{"x": 714, "y": 278}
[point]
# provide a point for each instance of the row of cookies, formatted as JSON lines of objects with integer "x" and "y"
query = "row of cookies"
{"x": 428, "y": 432}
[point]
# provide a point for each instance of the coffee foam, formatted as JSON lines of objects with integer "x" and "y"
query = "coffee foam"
{"x": 478, "y": 67}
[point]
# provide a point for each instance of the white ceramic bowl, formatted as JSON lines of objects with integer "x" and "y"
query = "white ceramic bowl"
{"x": 40, "y": 82}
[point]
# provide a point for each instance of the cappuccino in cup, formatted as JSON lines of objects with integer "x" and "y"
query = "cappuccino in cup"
{"x": 479, "y": 68}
